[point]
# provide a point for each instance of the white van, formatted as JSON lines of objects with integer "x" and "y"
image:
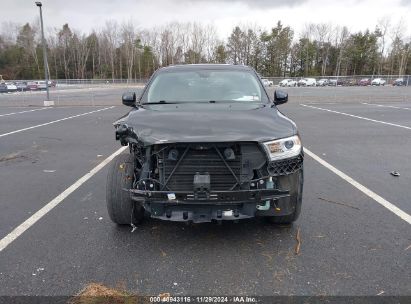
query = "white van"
{"x": 307, "y": 82}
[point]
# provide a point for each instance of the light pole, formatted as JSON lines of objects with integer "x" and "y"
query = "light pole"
{"x": 43, "y": 40}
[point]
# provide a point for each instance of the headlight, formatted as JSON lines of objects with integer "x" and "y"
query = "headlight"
{"x": 283, "y": 148}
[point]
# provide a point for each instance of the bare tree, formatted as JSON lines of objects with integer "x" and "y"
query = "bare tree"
{"x": 404, "y": 56}
{"x": 307, "y": 34}
{"x": 382, "y": 29}
{"x": 26, "y": 40}
{"x": 129, "y": 44}
{"x": 396, "y": 35}
{"x": 341, "y": 37}
{"x": 324, "y": 35}
{"x": 110, "y": 34}
{"x": 65, "y": 35}
{"x": 81, "y": 51}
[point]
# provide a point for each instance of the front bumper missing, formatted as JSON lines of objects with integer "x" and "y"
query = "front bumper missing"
{"x": 205, "y": 206}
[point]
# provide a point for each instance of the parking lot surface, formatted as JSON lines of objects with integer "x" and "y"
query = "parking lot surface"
{"x": 351, "y": 242}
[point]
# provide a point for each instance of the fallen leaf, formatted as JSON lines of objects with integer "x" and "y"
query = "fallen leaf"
{"x": 298, "y": 239}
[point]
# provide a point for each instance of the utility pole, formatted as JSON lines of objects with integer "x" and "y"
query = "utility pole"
{"x": 46, "y": 66}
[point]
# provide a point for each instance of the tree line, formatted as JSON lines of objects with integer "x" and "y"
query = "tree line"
{"x": 124, "y": 51}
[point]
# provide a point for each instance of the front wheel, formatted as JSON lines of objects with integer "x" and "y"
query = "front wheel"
{"x": 121, "y": 208}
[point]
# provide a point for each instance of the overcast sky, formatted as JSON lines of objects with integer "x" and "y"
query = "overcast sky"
{"x": 223, "y": 14}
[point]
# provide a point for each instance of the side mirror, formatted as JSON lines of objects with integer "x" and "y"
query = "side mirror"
{"x": 129, "y": 99}
{"x": 280, "y": 97}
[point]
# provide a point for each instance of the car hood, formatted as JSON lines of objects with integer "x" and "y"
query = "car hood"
{"x": 172, "y": 123}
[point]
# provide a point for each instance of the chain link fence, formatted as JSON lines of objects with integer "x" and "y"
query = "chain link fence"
{"x": 347, "y": 80}
{"x": 87, "y": 92}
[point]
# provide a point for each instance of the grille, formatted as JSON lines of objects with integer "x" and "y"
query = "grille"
{"x": 202, "y": 161}
{"x": 285, "y": 167}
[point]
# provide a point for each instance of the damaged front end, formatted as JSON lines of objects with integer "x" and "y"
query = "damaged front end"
{"x": 201, "y": 182}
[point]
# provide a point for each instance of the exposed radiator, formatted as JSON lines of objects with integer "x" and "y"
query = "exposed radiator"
{"x": 205, "y": 160}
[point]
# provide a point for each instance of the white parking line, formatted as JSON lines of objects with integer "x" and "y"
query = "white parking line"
{"x": 360, "y": 117}
{"x": 19, "y": 230}
{"x": 384, "y": 106}
{"x": 383, "y": 202}
{"x": 54, "y": 121}
{"x": 14, "y": 113}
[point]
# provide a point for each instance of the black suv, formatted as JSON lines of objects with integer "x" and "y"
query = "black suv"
{"x": 206, "y": 143}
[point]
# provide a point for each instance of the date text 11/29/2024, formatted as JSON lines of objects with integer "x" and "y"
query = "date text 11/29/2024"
{"x": 166, "y": 298}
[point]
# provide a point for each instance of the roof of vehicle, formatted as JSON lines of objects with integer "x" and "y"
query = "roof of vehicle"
{"x": 190, "y": 67}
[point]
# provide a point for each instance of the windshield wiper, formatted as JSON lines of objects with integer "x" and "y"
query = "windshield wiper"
{"x": 231, "y": 101}
{"x": 163, "y": 102}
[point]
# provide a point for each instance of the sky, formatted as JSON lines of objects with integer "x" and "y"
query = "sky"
{"x": 86, "y": 15}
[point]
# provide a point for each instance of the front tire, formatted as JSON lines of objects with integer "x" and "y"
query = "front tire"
{"x": 121, "y": 208}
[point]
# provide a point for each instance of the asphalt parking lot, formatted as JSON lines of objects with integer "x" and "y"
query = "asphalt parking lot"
{"x": 354, "y": 226}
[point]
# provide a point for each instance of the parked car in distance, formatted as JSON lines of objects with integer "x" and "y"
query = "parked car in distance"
{"x": 288, "y": 83}
{"x": 364, "y": 82}
{"x": 349, "y": 82}
{"x": 3, "y": 88}
{"x": 32, "y": 86}
{"x": 11, "y": 87}
{"x": 336, "y": 82}
{"x": 399, "y": 82}
{"x": 21, "y": 86}
{"x": 307, "y": 82}
{"x": 378, "y": 82}
{"x": 266, "y": 82}
{"x": 322, "y": 82}
{"x": 52, "y": 83}
{"x": 41, "y": 85}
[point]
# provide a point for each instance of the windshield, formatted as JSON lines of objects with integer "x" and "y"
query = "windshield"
{"x": 205, "y": 86}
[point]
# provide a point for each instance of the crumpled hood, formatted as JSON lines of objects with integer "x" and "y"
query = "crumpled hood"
{"x": 173, "y": 123}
